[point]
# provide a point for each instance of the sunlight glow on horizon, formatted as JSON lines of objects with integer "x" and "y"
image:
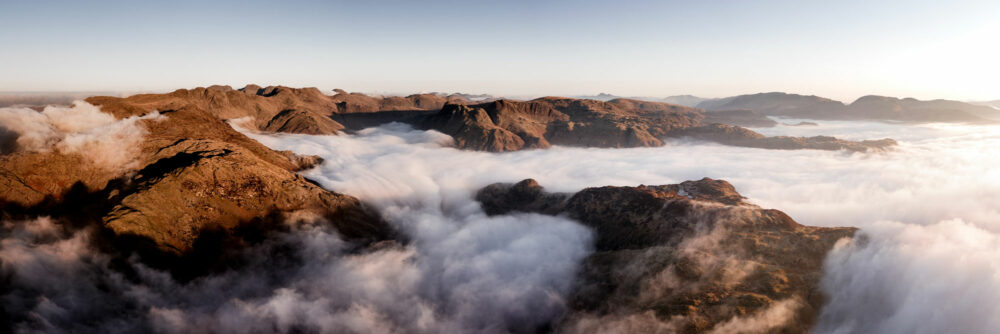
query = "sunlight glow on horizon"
{"x": 926, "y": 50}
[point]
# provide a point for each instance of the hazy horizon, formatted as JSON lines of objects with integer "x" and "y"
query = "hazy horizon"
{"x": 330, "y": 91}
{"x": 841, "y": 51}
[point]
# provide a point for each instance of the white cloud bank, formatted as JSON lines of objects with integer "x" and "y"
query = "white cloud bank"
{"x": 81, "y": 129}
{"x": 890, "y": 284}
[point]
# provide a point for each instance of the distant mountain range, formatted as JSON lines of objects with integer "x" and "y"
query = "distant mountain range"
{"x": 871, "y": 107}
{"x": 743, "y": 110}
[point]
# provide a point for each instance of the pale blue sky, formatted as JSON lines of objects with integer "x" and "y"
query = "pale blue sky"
{"x": 838, "y": 49}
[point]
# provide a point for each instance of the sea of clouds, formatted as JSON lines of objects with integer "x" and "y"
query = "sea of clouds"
{"x": 928, "y": 259}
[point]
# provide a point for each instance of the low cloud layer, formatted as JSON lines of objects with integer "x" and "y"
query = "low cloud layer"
{"x": 81, "y": 129}
{"x": 906, "y": 278}
{"x": 940, "y": 173}
{"x": 927, "y": 213}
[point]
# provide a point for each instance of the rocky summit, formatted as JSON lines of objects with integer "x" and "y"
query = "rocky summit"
{"x": 688, "y": 257}
{"x": 191, "y": 172}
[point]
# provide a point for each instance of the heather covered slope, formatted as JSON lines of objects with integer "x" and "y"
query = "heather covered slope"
{"x": 689, "y": 257}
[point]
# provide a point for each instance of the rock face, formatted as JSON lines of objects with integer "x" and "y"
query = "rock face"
{"x": 193, "y": 173}
{"x": 687, "y": 257}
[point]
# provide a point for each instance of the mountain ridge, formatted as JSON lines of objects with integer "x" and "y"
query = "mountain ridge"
{"x": 511, "y": 125}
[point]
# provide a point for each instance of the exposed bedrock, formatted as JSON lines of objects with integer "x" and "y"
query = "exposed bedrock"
{"x": 191, "y": 172}
{"x": 688, "y": 257}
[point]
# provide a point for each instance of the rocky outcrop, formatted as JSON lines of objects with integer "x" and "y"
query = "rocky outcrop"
{"x": 300, "y": 121}
{"x": 195, "y": 185}
{"x": 685, "y": 257}
{"x": 474, "y": 129}
{"x": 193, "y": 173}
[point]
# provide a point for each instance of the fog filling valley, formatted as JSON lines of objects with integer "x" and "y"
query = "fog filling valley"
{"x": 927, "y": 259}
